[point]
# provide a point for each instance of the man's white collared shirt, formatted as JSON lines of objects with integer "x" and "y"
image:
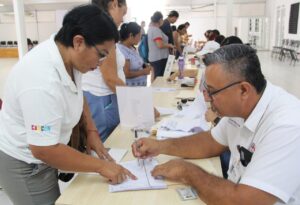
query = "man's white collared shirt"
{"x": 272, "y": 134}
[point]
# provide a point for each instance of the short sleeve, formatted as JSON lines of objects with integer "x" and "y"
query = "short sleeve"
{"x": 275, "y": 167}
{"x": 42, "y": 113}
{"x": 219, "y": 132}
{"x": 124, "y": 51}
{"x": 157, "y": 34}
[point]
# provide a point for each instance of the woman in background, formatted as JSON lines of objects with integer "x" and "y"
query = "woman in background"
{"x": 136, "y": 71}
{"x": 100, "y": 84}
{"x": 158, "y": 45}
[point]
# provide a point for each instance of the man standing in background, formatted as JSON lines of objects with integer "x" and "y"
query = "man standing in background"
{"x": 166, "y": 27}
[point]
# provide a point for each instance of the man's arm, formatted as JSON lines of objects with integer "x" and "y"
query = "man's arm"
{"x": 211, "y": 189}
{"x": 109, "y": 71}
{"x": 200, "y": 145}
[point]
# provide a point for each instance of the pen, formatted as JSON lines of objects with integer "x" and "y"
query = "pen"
{"x": 135, "y": 141}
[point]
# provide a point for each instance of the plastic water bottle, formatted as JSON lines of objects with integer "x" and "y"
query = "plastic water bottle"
{"x": 180, "y": 66}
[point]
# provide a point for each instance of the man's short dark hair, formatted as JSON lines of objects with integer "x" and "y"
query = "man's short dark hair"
{"x": 173, "y": 14}
{"x": 241, "y": 61}
{"x": 95, "y": 25}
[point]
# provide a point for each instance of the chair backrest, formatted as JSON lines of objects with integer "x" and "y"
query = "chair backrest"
{"x": 16, "y": 43}
{"x": 3, "y": 43}
{"x": 9, "y": 43}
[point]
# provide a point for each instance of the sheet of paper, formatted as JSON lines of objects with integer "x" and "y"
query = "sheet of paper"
{"x": 163, "y": 90}
{"x": 166, "y": 111}
{"x": 185, "y": 94}
{"x": 169, "y": 66}
{"x": 135, "y": 107}
{"x": 143, "y": 173}
{"x": 166, "y": 134}
{"x": 190, "y": 119}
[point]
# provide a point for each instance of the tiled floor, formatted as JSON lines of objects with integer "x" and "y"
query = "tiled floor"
{"x": 279, "y": 73}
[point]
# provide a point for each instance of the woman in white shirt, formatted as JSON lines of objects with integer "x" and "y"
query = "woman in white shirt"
{"x": 43, "y": 101}
{"x": 100, "y": 85}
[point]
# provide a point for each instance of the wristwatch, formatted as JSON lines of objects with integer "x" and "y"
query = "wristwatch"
{"x": 217, "y": 120}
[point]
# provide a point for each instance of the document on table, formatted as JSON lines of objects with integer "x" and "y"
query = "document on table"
{"x": 163, "y": 90}
{"x": 166, "y": 111}
{"x": 144, "y": 181}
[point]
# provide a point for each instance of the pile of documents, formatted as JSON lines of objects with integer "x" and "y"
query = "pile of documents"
{"x": 189, "y": 121}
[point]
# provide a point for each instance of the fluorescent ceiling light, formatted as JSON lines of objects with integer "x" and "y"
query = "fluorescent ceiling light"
{"x": 1, "y": 5}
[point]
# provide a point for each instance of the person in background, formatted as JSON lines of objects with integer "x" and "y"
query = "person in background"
{"x": 186, "y": 37}
{"x": 143, "y": 24}
{"x": 180, "y": 31}
{"x": 166, "y": 26}
{"x": 135, "y": 69}
{"x": 29, "y": 44}
{"x": 231, "y": 40}
{"x": 99, "y": 85}
{"x": 44, "y": 101}
{"x": 209, "y": 47}
{"x": 158, "y": 45}
{"x": 219, "y": 39}
{"x": 260, "y": 127}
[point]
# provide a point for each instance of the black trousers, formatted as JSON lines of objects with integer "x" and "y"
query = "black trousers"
{"x": 159, "y": 67}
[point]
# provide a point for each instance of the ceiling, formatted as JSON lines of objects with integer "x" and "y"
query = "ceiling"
{"x": 48, "y": 5}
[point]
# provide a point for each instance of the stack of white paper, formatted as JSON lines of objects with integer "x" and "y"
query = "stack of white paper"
{"x": 144, "y": 178}
{"x": 186, "y": 122}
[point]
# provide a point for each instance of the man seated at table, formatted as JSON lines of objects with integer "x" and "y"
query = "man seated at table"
{"x": 260, "y": 127}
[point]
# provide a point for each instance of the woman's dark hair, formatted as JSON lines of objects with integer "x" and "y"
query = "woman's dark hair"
{"x": 95, "y": 25}
{"x": 156, "y": 17}
{"x": 173, "y": 14}
{"x": 219, "y": 39}
{"x": 180, "y": 27}
{"x": 104, "y": 4}
{"x": 129, "y": 28}
{"x": 187, "y": 23}
{"x": 173, "y": 28}
{"x": 231, "y": 40}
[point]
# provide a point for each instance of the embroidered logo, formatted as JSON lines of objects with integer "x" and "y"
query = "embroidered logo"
{"x": 41, "y": 128}
{"x": 252, "y": 147}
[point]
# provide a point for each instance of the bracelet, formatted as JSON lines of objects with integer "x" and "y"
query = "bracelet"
{"x": 93, "y": 131}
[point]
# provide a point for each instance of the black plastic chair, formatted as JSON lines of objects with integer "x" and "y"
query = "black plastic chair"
{"x": 10, "y": 43}
{"x": 15, "y": 43}
{"x": 3, "y": 43}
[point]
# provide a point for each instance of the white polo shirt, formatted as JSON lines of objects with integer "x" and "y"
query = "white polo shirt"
{"x": 41, "y": 103}
{"x": 272, "y": 134}
{"x": 94, "y": 83}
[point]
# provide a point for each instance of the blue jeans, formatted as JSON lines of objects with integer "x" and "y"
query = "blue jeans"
{"x": 105, "y": 113}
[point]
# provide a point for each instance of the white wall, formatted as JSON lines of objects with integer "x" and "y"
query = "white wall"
{"x": 271, "y": 13}
{"x": 202, "y": 21}
{"x": 39, "y": 26}
{"x": 50, "y": 21}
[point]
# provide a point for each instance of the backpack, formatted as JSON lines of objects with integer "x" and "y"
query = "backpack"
{"x": 143, "y": 48}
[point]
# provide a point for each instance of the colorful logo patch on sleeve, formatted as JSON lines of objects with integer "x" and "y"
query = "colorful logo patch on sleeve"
{"x": 41, "y": 128}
